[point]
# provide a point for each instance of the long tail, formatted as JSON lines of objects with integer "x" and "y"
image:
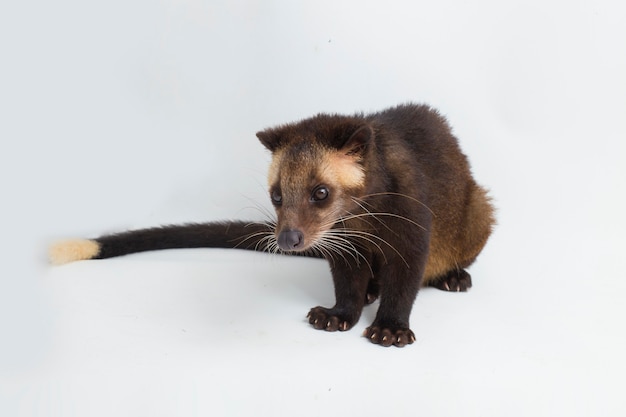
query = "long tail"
{"x": 237, "y": 234}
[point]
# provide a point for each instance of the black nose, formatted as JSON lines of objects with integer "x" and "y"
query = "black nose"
{"x": 290, "y": 239}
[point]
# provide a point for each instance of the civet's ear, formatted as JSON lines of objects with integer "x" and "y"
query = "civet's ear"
{"x": 358, "y": 141}
{"x": 269, "y": 138}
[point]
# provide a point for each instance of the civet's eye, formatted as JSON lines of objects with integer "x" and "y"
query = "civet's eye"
{"x": 277, "y": 198}
{"x": 320, "y": 193}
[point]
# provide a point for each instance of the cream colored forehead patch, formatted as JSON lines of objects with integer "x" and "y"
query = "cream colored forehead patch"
{"x": 273, "y": 172}
{"x": 333, "y": 167}
{"x": 345, "y": 169}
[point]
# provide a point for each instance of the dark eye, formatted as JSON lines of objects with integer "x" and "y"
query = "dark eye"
{"x": 277, "y": 198}
{"x": 320, "y": 193}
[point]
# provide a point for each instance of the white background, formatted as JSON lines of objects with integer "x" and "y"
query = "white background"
{"x": 119, "y": 114}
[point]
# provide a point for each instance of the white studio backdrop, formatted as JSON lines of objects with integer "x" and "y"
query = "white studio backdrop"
{"x": 130, "y": 114}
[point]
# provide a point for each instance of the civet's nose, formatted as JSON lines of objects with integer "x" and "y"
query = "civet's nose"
{"x": 290, "y": 240}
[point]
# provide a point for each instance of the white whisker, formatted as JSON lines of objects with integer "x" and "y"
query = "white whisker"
{"x": 333, "y": 242}
{"x": 398, "y": 195}
{"x": 370, "y": 214}
{"x": 328, "y": 243}
{"x": 359, "y": 234}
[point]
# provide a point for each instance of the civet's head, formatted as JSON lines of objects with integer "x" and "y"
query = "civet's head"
{"x": 317, "y": 168}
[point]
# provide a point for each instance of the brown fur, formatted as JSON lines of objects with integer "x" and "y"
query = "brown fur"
{"x": 387, "y": 198}
{"x": 402, "y": 197}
